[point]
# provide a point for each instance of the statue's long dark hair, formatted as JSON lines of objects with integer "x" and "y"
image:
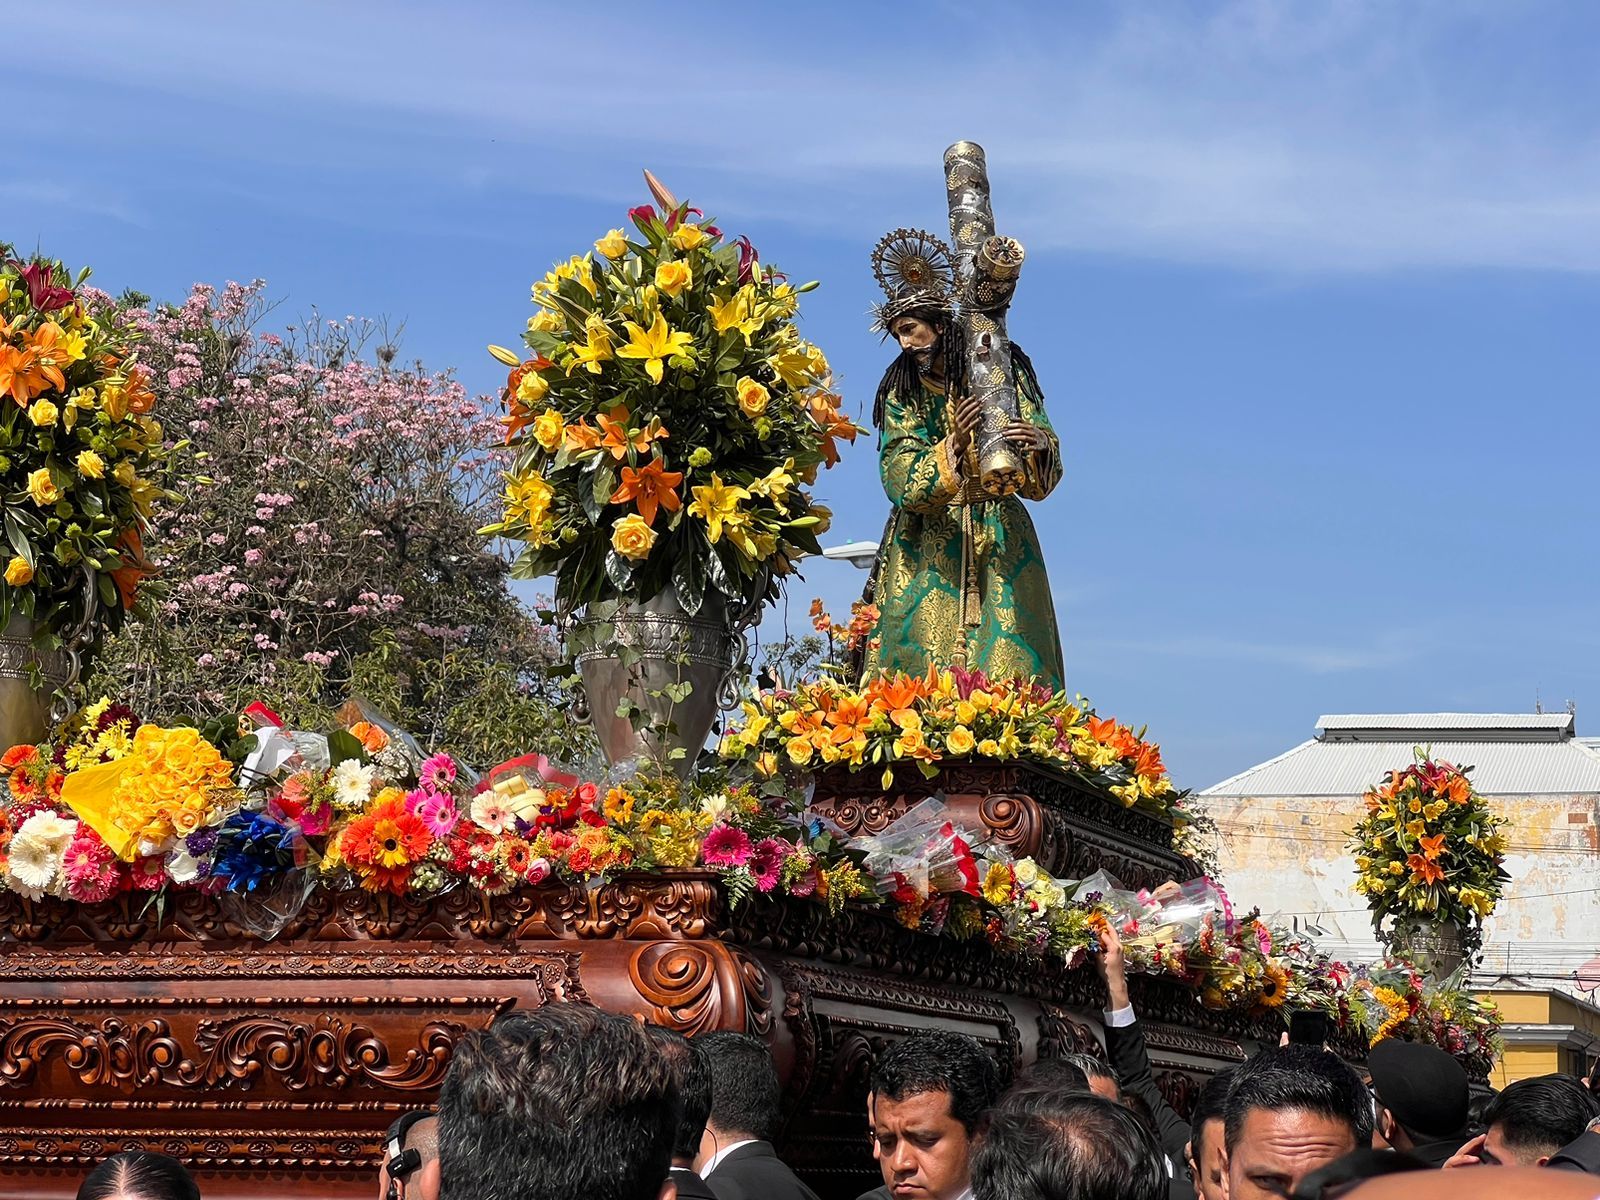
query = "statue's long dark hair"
{"x": 905, "y": 377}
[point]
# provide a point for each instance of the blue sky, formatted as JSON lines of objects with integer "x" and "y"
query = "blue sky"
{"x": 1313, "y": 289}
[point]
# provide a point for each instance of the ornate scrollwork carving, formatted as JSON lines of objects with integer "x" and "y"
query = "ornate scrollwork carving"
{"x": 695, "y": 987}
{"x": 1180, "y": 1090}
{"x": 1061, "y": 1034}
{"x": 114, "y": 1053}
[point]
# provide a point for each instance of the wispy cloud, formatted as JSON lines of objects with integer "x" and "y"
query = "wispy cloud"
{"x": 86, "y": 201}
{"x": 1257, "y": 133}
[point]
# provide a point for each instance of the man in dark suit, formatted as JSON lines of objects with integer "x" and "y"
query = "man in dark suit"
{"x": 1423, "y": 1100}
{"x": 736, "y": 1158}
{"x": 692, "y": 1073}
{"x": 1130, "y": 1060}
{"x": 929, "y": 1094}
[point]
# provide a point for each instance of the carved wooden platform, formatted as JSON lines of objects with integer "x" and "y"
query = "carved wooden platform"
{"x": 273, "y": 1067}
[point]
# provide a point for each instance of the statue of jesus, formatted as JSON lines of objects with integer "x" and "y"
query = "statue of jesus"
{"x": 959, "y": 578}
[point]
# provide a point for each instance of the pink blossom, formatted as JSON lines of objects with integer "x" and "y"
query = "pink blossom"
{"x": 725, "y": 846}
{"x": 149, "y": 873}
{"x": 766, "y": 861}
{"x": 538, "y": 871}
{"x": 437, "y": 772}
{"x": 437, "y": 810}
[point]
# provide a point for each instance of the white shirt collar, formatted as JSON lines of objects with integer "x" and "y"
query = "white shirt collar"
{"x": 716, "y": 1159}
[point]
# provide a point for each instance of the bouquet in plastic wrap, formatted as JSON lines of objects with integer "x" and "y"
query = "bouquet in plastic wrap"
{"x": 921, "y": 861}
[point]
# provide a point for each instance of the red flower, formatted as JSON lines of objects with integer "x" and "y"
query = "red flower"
{"x": 643, "y": 215}
{"x": 748, "y": 258}
{"x": 42, "y": 291}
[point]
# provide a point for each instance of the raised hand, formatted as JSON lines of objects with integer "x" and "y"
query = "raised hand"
{"x": 969, "y": 411}
{"x": 1026, "y": 437}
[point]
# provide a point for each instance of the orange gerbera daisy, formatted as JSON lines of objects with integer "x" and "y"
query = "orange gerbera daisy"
{"x": 651, "y": 487}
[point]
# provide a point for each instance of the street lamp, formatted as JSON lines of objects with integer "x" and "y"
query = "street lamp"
{"x": 857, "y": 554}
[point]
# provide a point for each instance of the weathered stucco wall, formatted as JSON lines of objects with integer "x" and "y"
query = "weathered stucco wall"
{"x": 1287, "y": 854}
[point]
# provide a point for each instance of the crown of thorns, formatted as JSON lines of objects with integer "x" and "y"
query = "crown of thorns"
{"x": 917, "y": 274}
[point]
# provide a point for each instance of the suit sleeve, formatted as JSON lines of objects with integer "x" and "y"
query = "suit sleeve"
{"x": 1131, "y": 1061}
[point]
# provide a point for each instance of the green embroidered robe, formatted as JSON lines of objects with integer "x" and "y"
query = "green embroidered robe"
{"x": 918, "y": 580}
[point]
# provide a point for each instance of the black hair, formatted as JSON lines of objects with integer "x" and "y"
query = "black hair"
{"x": 1092, "y": 1067}
{"x": 1210, "y": 1105}
{"x": 692, "y": 1073}
{"x": 139, "y": 1175}
{"x": 904, "y": 376}
{"x": 1053, "y": 1072}
{"x": 559, "y": 1101}
{"x": 938, "y": 1061}
{"x": 744, "y": 1084}
{"x": 1085, "y": 1148}
{"x": 1298, "y": 1078}
{"x": 1540, "y": 1115}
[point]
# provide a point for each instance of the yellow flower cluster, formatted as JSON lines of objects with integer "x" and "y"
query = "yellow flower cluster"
{"x": 174, "y": 784}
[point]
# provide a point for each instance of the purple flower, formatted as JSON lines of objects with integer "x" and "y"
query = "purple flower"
{"x": 726, "y": 846}
{"x": 748, "y": 257}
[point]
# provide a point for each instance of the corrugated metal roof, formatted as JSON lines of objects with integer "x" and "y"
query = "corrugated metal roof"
{"x": 1450, "y": 721}
{"x": 1349, "y": 768}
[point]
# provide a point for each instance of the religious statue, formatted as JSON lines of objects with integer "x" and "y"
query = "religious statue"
{"x": 959, "y": 578}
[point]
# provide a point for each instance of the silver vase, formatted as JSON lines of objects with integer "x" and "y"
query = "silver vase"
{"x": 1434, "y": 946}
{"x": 31, "y": 684}
{"x": 665, "y": 648}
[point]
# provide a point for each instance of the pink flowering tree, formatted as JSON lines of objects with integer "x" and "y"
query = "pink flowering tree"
{"x": 330, "y": 546}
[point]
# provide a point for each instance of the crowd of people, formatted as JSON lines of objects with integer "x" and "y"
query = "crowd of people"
{"x": 568, "y": 1102}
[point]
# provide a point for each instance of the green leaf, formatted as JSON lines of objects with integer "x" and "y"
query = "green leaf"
{"x": 343, "y": 746}
{"x": 678, "y": 692}
{"x": 689, "y": 578}
{"x": 19, "y": 541}
{"x": 618, "y": 571}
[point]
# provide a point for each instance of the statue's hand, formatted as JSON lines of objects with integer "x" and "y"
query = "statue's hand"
{"x": 1027, "y": 437}
{"x": 969, "y": 411}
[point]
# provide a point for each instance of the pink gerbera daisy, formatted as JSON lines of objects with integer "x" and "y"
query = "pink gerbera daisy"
{"x": 766, "y": 862}
{"x": 726, "y": 846}
{"x": 437, "y": 773}
{"x": 437, "y": 810}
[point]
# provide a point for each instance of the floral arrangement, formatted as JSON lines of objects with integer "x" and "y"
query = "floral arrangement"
{"x": 112, "y": 805}
{"x": 1394, "y": 1000}
{"x": 80, "y": 451}
{"x": 942, "y": 716}
{"x": 667, "y": 421}
{"x": 1429, "y": 850}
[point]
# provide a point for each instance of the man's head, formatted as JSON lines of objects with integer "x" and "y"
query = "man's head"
{"x": 1205, "y": 1152}
{"x": 928, "y": 1094}
{"x": 139, "y": 1175}
{"x": 744, "y": 1091}
{"x": 1102, "y": 1082}
{"x": 918, "y": 334}
{"x": 1084, "y": 1148}
{"x": 410, "y": 1159}
{"x": 692, "y": 1074}
{"x": 1422, "y": 1095}
{"x": 1059, "y": 1073}
{"x": 1533, "y": 1118}
{"x": 1291, "y": 1109}
{"x": 557, "y": 1102}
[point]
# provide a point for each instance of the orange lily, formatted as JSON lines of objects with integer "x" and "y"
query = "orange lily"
{"x": 897, "y": 696}
{"x": 47, "y": 353}
{"x": 650, "y": 487}
{"x": 1102, "y": 729}
{"x": 1458, "y": 790}
{"x": 582, "y": 436}
{"x": 619, "y": 441}
{"x": 1432, "y": 847}
{"x": 134, "y": 566}
{"x": 1424, "y": 870}
{"x": 850, "y": 719}
{"x": 20, "y": 376}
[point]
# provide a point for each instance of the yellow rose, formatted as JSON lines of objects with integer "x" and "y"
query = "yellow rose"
{"x": 42, "y": 488}
{"x": 18, "y": 572}
{"x": 966, "y": 713}
{"x": 989, "y": 748}
{"x": 688, "y": 237}
{"x": 187, "y": 819}
{"x": 673, "y": 277}
{"x": 91, "y": 465}
{"x": 125, "y": 474}
{"x": 532, "y": 388}
{"x": 752, "y": 397}
{"x": 799, "y": 751}
{"x": 549, "y": 429}
{"x": 43, "y": 413}
{"x": 960, "y": 740}
{"x": 613, "y": 245}
{"x": 632, "y": 538}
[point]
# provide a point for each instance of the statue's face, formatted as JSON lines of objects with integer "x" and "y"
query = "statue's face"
{"x": 919, "y": 338}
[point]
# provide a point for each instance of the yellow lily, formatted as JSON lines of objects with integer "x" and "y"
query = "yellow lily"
{"x": 655, "y": 345}
{"x": 715, "y": 503}
{"x": 596, "y": 348}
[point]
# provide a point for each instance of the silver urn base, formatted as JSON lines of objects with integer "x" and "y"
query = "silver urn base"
{"x": 30, "y": 680}
{"x": 654, "y": 678}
